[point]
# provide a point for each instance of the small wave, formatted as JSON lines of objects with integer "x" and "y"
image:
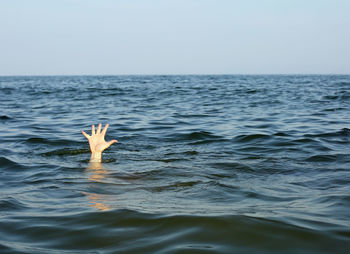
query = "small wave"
{"x": 345, "y": 132}
{"x": 329, "y": 158}
{"x": 176, "y": 115}
{"x": 190, "y": 152}
{"x": 7, "y": 90}
{"x": 37, "y": 181}
{"x": 202, "y": 142}
{"x": 127, "y": 231}
{"x": 281, "y": 134}
{"x": 238, "y": 167}
{"x": 11, "y": 204}
{"x": 170, "y": 160}
{"x": 252, "y": 91}
{"x": 251, "y": 137}
{"x": 343, "y": 83}
{"x": 304, "y": 140}
{"x": 342, "y": 95}
{"x": 66, "y": 151}
{"x": 333, "y": 109}
{"x": 5, "y": 117}
{"x": 195, "y": 136}
{"x": 200, "y": 135}
{"x": 178, "y": 186}
{"x": 331, "y": 97}
{"x": 281, "y": 143}
{"x": 38, "y": 140}
{"x": 9, "y": 164}
{"x": 40, "y": 175}
{"x": 260, "y": 126}
{"x": 130, "y": 129}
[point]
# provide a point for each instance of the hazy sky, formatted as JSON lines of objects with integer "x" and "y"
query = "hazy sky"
{"x": 55, "y": 37}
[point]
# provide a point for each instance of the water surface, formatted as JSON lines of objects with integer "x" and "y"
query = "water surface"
{"x": 204, "y": 164}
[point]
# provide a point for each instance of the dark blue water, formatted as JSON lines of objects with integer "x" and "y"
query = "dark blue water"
{"x": 204, "y": 164}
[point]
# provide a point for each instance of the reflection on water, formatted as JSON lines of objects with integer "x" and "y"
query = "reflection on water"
{"x": 96, "y": 201}
{"x": 97, "y": 174}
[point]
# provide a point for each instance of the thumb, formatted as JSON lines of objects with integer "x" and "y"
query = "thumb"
{"x": 111, "y": 142}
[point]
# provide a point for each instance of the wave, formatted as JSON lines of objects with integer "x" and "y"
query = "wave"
{"x": 11, "y": 204}
{"x": 329, "y": 158}
{"x": 170, "y": 160}
{"x": 251, "y": 137}
{"x": 342, "y": 83}
{"x": 9, "y": 164}
{"x": 345, "y": 132}
{"x": 190, "y": 152}
{"x": 58, "y": 142}
{"x": 341, "y": 96}
{"x": 126, "y": 231}
{"x": 65, "y": 151}
{"x": 194, "y": 136}
{"x": 5, "y": 117}
{"x": 177, "y": 186}
{"x": 178, "y": 115}
{"x": 333, "y": 109}
{"x": 235, "y": 166}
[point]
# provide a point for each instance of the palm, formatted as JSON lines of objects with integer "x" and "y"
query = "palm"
{"x": 97, "y": 143}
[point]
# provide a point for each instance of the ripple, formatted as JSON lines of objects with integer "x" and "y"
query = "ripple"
{"x": 251, "y": 137}
{"x": 11, "y": 204}
{"x": 174, "y": 186}
{"x": 235, "y": 166}
{"x": 52, "y": 142}
{"x": 5, "y": 117}
{"x": 65, "y": 151}
{"x": 345, "y": 132}
{"x": 132, "y": 232}
{"x": 9, "y": 164}
{"x": 329, "y": 158}
{"x": 195, "y": 136}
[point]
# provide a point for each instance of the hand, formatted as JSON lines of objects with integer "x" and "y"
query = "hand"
{"x": 97, "y": 142}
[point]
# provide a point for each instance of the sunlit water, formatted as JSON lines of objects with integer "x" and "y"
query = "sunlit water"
{"x": 204, "y": 164}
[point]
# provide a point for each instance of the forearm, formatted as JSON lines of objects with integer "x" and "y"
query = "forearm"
{"x": 96, "y": 157}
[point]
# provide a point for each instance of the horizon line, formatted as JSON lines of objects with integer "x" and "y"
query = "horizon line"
{"x": 193, "y": 74}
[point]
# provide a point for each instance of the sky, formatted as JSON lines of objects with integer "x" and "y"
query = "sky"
{"x": 117, "y": 37}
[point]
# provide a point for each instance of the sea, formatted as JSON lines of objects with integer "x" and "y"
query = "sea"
{"x": 203, "y": 164}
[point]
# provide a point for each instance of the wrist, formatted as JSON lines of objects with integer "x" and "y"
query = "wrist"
{"x": 96, "y": 157}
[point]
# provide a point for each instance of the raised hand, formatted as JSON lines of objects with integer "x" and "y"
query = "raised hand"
{"x": 97, "y": 142}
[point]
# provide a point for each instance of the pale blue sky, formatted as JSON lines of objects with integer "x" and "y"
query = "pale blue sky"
{"x": 57, "y": 37}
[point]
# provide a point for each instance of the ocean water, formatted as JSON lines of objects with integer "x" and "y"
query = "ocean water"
{"x": 204, "y": 164}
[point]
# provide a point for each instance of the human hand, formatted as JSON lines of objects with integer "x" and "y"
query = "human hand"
{"x": 97, "y": 142}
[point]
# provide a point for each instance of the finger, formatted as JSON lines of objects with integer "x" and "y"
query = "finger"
{"x": 111, "y": 142}
{"x": 93, "y": 130}
{"x": 99, "y": 128}
{"x": 85, "y": 135}
{"x": 105, "y": 129}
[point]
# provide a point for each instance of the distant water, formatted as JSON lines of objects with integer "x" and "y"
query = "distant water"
{"x": 204, "y": 164}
